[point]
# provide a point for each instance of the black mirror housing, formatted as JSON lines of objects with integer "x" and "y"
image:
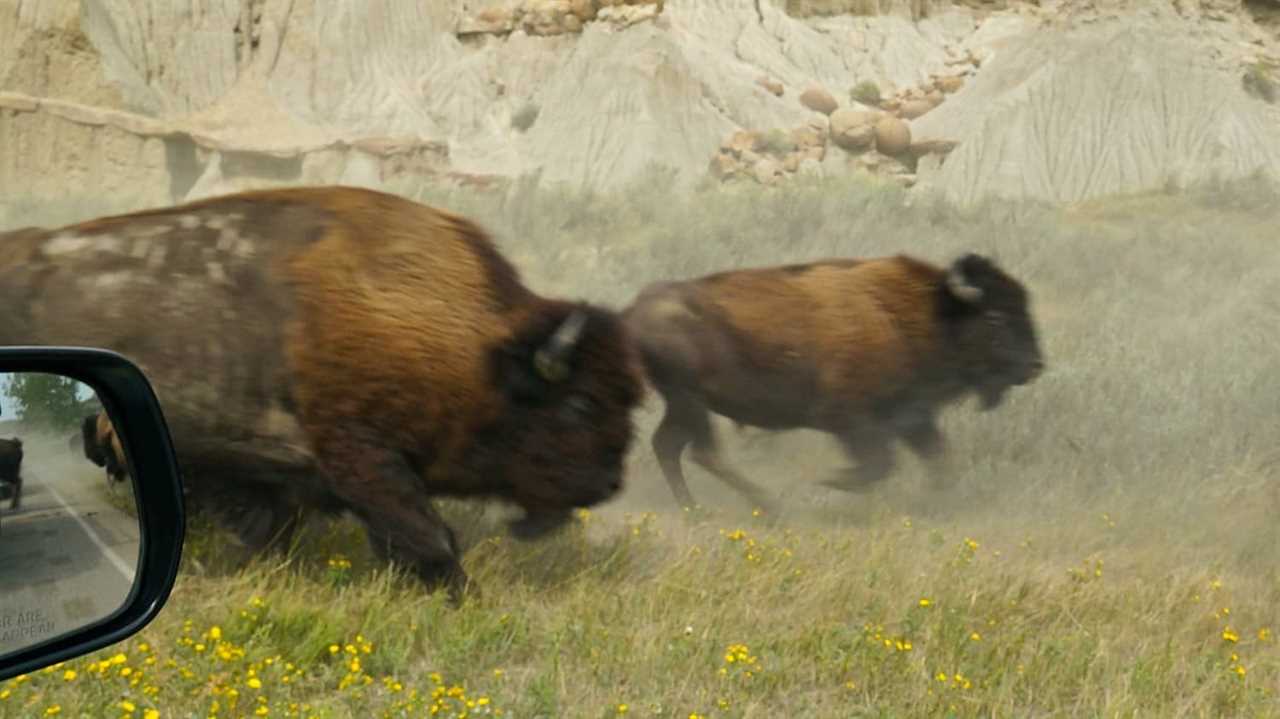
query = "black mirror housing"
{"x": 128, "y": 398}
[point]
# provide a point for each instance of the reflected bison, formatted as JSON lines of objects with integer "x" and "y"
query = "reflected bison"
{"x": 11, "y": 470}
{"x": 866, "y": 350}
{"x": 102, "y": 447}
{"x": 342, "y": 349}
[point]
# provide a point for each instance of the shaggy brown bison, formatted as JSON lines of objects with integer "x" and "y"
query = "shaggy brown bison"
{"x": 11, "y": 470}
{"x": 866, "y": 350}
{"x": 342, "y": 349}
{"x": 102, "y": 446}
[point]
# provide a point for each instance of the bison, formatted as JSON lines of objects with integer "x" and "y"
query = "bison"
{"x": 11, "y": 470}
{"x": 867, "y": 350}
{"x": 342, "y": 349}
{"x": 102, "y": 447}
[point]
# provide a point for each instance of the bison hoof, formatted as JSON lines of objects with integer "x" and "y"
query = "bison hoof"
{"x": 448, "y": 576}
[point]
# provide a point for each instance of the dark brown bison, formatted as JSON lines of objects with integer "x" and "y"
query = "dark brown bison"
{"x": 342, "y": 349}
{"x": 102, "y": 446}
{"x": 866, "y": 350}
{"x": 11, "y": 470}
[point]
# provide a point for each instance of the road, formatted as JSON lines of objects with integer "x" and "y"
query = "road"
{"x": 67, "y": 557}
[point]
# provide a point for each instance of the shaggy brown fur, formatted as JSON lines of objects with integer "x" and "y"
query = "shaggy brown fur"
{"x": 11, "y": 469}
{"x": 102, "y": 446}
{"x": 867, "y": 350}
{"x": 341, "y": 349}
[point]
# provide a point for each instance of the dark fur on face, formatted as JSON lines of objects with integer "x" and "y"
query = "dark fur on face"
{"x": 993, "y": 334}
{"x": 561, "y": 444}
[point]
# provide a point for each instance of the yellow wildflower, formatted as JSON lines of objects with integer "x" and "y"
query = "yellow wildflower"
{"x": 1230, "y": 636}
{"x": 924, "y": 602}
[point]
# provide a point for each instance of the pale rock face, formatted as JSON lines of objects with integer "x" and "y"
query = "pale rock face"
{"x": 168, "y": 100}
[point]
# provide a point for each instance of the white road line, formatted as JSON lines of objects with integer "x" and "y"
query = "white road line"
{"x": 125, "y": 570}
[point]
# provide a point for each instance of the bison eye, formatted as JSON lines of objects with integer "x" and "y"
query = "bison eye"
{"x": 580, "y": 406}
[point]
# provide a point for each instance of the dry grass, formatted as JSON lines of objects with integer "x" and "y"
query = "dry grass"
{"x": 1111, "y": 549}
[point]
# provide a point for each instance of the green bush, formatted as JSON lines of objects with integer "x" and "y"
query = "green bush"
{"x": 778, "y": 142}
{"x": 1259, "y": 83}
{"x": 47, "y": 400}
{"x": 866, "y": 92}
{"x": 524, "y": 118}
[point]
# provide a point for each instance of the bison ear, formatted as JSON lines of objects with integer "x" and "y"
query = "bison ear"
{"x": 959, "y": 282}
{"x": 89, "y": 433}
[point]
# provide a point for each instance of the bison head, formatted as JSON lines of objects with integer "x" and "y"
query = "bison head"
{"x": 102, "y": 446}
{"x": 994, "y": 332}
{"x": 569, "y": 381}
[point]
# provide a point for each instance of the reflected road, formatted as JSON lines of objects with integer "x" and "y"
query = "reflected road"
{"x": 67, "y": 557}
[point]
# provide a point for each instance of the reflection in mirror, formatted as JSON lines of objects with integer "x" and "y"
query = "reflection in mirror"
{"x": 69, "y": 533}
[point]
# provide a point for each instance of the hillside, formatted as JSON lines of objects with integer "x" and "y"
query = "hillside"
{"x": 1053, "y": 100}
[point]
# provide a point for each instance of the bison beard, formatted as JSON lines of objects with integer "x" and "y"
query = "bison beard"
{"x": 340, "y": 349}
{"x": 865, "y": 350}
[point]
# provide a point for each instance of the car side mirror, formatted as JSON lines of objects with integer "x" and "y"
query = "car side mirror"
{"x": 91, "y": 507}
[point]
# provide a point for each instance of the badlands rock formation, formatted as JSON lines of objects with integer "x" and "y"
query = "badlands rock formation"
{"x": 164, "y": 100}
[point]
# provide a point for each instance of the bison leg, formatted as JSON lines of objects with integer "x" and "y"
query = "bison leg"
{"x": 929, "y": 445}
{"x": 873, "y": 451}
{"x": 16, "y": 502}
{"x": 687, "y": 423}
{"x": 269, "y": 526}
{"x": 380, "y": 487}
{"x": 669, "y": 441}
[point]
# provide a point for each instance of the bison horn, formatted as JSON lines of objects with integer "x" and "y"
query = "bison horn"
{"x": 550, "y": 360}
{"x": 961, "y": 288}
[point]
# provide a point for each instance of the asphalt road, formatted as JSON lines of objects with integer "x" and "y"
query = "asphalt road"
{"x": 67, "y": 557}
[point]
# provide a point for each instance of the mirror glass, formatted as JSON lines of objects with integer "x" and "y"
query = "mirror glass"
{"x": 69, "y": 532}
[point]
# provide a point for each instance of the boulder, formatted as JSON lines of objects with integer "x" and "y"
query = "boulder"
{"x": 766, "y": 170}
{"x": 805, "y": 137}
{"x": 723, "y": 166}
{"x": 819, "y": 100}
{"x": 584, "y": 10}
{"x": 893, "y": 136}
{"x": 742, "y": 142}
{"x": 854, "y": 130}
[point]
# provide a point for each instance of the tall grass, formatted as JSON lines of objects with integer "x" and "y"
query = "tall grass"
{"x": 1110, "y": 549}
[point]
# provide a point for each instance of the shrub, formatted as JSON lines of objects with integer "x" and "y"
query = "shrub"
{"x": 524, "y": 118}
{"x": 866, "y": 92}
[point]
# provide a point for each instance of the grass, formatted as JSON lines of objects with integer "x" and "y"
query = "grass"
{"x": 1110, "y": 549}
